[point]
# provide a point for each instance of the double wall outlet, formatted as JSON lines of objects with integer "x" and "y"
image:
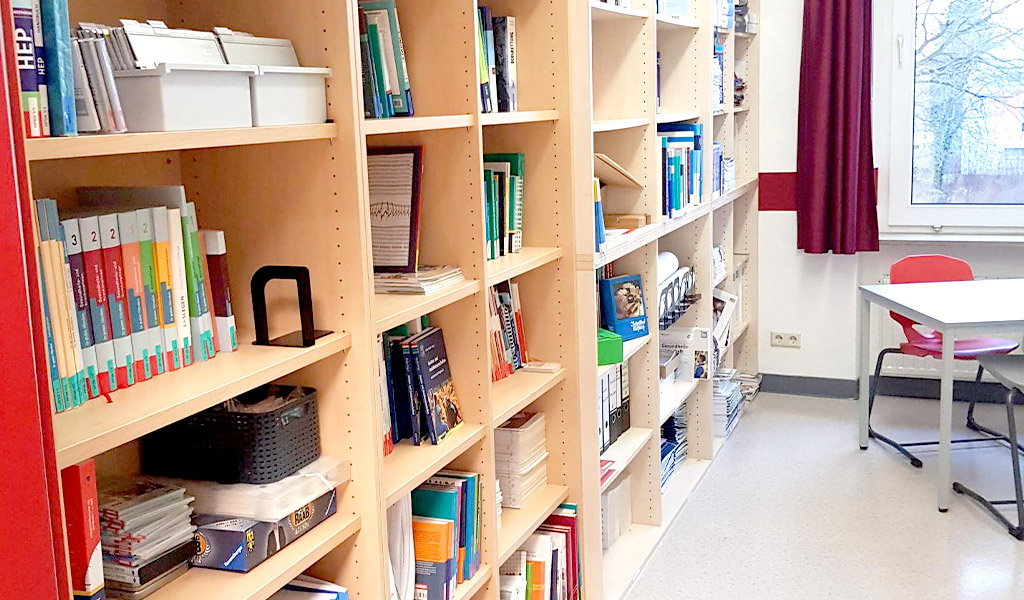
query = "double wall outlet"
{"x": 785, "y": 339}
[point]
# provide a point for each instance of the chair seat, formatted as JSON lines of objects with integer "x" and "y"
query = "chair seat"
{"x": 1009, "y": 370}
{"x": 969, "y": 349}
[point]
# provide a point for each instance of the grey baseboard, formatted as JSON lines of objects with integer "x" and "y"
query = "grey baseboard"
{"x": 906, "y": 387}
{"x": 824, "y": 387}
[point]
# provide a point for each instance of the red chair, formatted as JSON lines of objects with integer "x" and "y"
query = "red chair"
{"x": 932, "y": 268}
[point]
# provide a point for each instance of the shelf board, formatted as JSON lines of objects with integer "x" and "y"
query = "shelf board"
{"x": 518, "y": 523}
{"x": 676, "y": 117}
{"x": 620, "y": 124}
{"x": 671, "y": 396}
{"x": 624, "y": 450}
{"x": 132, "y": 143}
{"x": 391, "y": 310}
{"x": 468, "y": 589}
{"x": 604, "y": 11}
{"x": 408, "y": 466}
{"x": 744, "y": 326}
{"x": 741, "y": 109}
{"x": 512, "y": 394}
{"x": 667, "y": 23}
{"x": 720, "y": 113}
{"x": 720, "y": 279}
{"x": 628, "y": 349}
{"x": 744, "y": 34}
{"x": 513, "y": 265}
{"x": 98, "y": 426}
{"x": 723, "y": 30}
{"x": 407, "y": 124}
{"x": 523, "y": 116}
{"x": 624, "y": 560}
{"x": 742, "y": 188}
{"x": 270, "y": 576}
{"x": 640, "y": 237}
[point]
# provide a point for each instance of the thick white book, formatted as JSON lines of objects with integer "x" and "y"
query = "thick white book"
{"x": 179, "y": 287}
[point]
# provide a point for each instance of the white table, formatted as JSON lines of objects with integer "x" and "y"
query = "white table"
{"x": 959, "y": 309}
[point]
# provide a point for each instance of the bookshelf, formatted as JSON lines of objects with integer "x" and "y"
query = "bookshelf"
{"x": 623, "y": 122}
{"x": 299, "y": 196}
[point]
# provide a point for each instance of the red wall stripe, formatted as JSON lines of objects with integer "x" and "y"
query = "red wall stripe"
{"x": 777, "y": 191}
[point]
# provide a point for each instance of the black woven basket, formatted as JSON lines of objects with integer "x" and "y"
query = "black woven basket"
{"x": 232, "y": 447}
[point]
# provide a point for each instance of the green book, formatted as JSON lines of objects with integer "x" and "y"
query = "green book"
{"x": 379, "y": 69}
{"x": 517, "y": 164}
{"x": 401, "y": 98}
{"x": 488, "y": 234}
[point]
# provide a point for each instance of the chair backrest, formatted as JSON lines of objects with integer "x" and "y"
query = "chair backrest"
{"x": 925, "y": 268}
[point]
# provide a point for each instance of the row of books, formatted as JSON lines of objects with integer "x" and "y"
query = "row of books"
{"x": 613, "y": 404}
{"x": 727, "y": 402}
{"x": 520, "y": 457}
{"x": 682, "y": 170}
{"x": 674, "y": 443}
{"x": 416, "y": 391}
{"x": 507, "y": 330}
{"x": 503, "y": 203}
{"x": 547, "y": 566}
{"x": 496, "y": 55}
{"x": 723, "y": 171}
{"x": 616, "y": 510}
{"x": 718, "y": 78}
{"x": 44, "y": 76}
{"x": 386, "y": 88}
{"x": 131, "y": 289}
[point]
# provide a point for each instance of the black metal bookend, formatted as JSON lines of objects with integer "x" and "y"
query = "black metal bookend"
{"x": 296, "y": 339}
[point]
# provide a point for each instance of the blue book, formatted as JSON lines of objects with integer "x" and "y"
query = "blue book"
{"x": 474, "y": 514}
{"x": 487, "y": 24}
{"x": 697, "y": 167}
{"x": 622, "y": 306}
{"x": 440, "y": 404}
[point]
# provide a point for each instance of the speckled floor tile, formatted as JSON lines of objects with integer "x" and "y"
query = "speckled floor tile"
{"x": 792, "y": 509}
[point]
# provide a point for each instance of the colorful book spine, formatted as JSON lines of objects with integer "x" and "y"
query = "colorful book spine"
{"x": 60, "y": 67}
{"x": 179, "y": 286}
{"x": 208, "y": 290}
{"x": 82, "y": 518}
{"x": 41, "y": 76}
{"x": 151, "y": 288}
{"x": 135, "y": 293}
{"x": 63, "y": 399}
{"x": 199, "y": 312}
{"x": 117, "y": 300}
{"x": 166, "y": 294}
{"x": 76, "y": 263}
{"x": 25, "y": 57}
{"x": 65, "y": 303}
{"x": 216, "y": 251}
{"x": 492, "y": 69}
{"x": 95, "y": 284}
{"x": 483, "y": 71}
{"x": 51, "y": 349}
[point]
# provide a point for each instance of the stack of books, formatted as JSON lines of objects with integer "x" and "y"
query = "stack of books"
{"x": 668, "y": 461}
{"x": 131, "y": 289}
{"x": 386, "y": 88}
{"x": 681, "y": 169}
{"x": 520, "y": 457}
{"x": 750, "y": 384}
{"x": 507, "y": 331}
{"x": 416, "y": 389}
{"x": 426, "y": 280}
{"x": 616, "y": 511}
{"x": 146, "y": 534}
{"x": 674, "y": 431}
{"x": 547, "y": 565}
{"x": 446, "y": 533}
{"x": 727, "y": 401}
{"x": 305, "y": 587}
{"x": 497, "y": 58}
{"x": 717, "y": 169}
{"x": 503, "y": 203}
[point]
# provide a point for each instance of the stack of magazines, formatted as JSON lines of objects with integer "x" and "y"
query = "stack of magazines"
{"x": 727, "y": 400}
{"x": 520, "y": 456}
{"x": 425, "y": 280}
{"x": 674, "y": 430}
{"x": 146, "y": 533}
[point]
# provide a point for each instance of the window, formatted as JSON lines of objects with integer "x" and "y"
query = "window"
{"x": 955, "y": 113}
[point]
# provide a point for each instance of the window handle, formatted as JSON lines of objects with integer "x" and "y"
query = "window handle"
{"x": 899, "y": 48}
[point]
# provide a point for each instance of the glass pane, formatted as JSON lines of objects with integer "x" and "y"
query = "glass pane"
{"x": 969, "y": 102}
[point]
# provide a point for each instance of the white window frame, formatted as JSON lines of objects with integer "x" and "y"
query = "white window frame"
{"x": 893, "y": 121}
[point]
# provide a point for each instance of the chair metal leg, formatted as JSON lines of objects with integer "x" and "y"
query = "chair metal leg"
{"x": 1017, "y": 530}
{"x": 976, "y": 426}
{"x": 872, "y": 433}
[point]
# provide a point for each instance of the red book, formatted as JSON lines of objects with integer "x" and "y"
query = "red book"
{"x": 96, "y": 287}
{"x": 82, "y": 516}
{"x": 113, "y": 270}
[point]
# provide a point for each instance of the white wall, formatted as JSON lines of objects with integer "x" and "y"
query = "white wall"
{"x": 815, "y": 295}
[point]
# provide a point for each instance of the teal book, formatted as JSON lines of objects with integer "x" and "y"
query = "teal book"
{"x": 441, "y": 502}
{"x": 401, "y": 98}
{"x": 473, "y": 510}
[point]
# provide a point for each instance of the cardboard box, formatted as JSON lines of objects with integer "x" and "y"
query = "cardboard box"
{"x": 238, "y": 544}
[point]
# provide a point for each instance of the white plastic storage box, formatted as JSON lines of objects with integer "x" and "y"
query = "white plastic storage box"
{"x": 289, "y": 95}
{"x": 179, "y": 97}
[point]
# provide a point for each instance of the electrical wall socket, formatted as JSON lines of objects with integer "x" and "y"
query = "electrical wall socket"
{"x": 785, "y": 339}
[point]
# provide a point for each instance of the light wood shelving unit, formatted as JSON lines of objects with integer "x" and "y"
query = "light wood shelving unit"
{"x": 622, "y": 71}
{"x": 299, "y": 196}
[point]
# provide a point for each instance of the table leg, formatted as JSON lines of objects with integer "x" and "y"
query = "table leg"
{"x": 945, "y": 422}
{"x": 864, "y": 344}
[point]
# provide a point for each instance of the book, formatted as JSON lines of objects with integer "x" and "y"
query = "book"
{"x": 199, "y": 311}
{"x": 516, "y": 174}
{"x": 398, "y": 70}
{"x": 179, "y": 286}
{"x": 223, "y": 333}
{"x": 150, "y": 289}
{"x": 51, "y": 349}
{"x": 472, "y": 496}
{"x": 426, "y": 280}
{"x": 131, "y": 254}
{"x": 85, "y": 102}
{"x": 487, "y": 25}
{"x": 63, "y": 398}
{"x": 395, "y": 179}
{"x": 505, "y": 63}
{"x": 96, "y": 286}
{"x": 380, "y": 67}
{"x": 383, "y": 396}
{"x": 57, "y": 270}
{"x": 371, "y": 100}
{"x": 622, "y": 306}
{"x": 42, "y": 83}
{"x": 60, "y": 67}
{"x": 436, "y": 387}
{"x": 76, "y": 263}
{"x": 113, "y": 270}
{"x": 487, "y": 102}
{"x": 25, "y": 59}
{"x": 96, "y": 82}
{"x": 432, "y": 542}
{"x": 166, "y": 293}
{"x": 443, "y": 502}
{"x": 110, "y": 88}
{"x": 82, "y": 520}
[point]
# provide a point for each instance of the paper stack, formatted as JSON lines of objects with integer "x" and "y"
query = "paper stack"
{"x": 425, "y": 280}
{"x": 146, "y": 533}
{"x": 727, "y": 401}
{"x": 674, "y": 431}
{"x": 520, "y": 455}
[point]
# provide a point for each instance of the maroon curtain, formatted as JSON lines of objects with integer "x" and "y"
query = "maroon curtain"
{"x": 835, "y": 185}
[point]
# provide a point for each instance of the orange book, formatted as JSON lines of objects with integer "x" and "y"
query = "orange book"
{"x": 432, "y": 541}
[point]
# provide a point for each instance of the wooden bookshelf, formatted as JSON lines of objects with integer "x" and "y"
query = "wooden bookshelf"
{"x": 518, "y": 523}
{"x": 409, "y": 465}
{"x": 468, "y": 589}
{"x": 512, "y": 118}
{"x": 629, "y": 445}
{"x": 392, "y": 310}
{"x": 513, "y": 265}
{"x": 607, "y": 11}
{"x": 512, "y": 394}
{"x": 410, "y": 124}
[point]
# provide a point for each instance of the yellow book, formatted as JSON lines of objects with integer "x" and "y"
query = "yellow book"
{"x": 165, "y": 291}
